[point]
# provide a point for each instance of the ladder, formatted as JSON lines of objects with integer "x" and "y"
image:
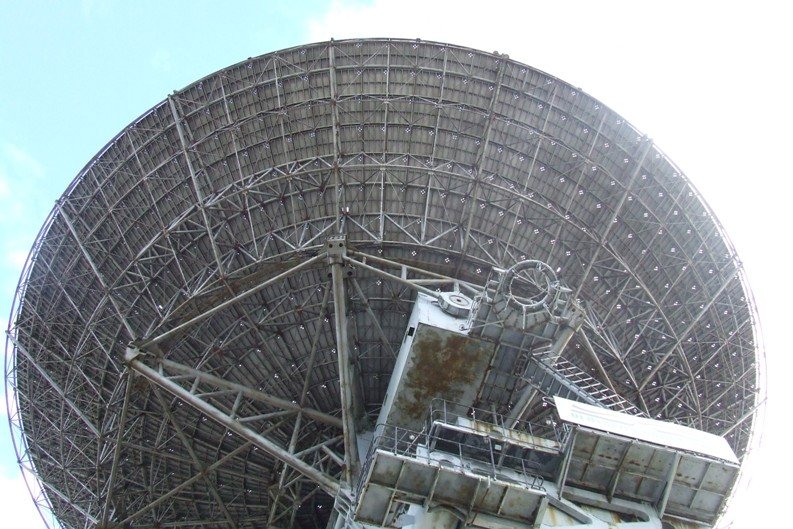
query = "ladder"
{"x": 567, "y": 380}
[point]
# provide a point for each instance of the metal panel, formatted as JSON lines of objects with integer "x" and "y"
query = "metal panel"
{"x": 658, "y": 432}
{"x": 464, "y": 489}
{"x": 440, "y": 364}
{"x": 681, "y": 484}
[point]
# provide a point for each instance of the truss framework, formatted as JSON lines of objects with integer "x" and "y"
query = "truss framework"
{"x": 199, "y": 234}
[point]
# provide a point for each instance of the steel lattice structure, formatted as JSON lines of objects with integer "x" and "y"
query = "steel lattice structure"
{"x": 199, "y": 235}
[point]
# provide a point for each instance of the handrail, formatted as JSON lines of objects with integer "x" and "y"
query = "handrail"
{"x": 429, "y": 447}
{"x": 449, "y": 413}
{"x": 480, "y": 454}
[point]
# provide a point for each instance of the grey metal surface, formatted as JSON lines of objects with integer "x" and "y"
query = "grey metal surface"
{"x": 681, "y": 484}
{"x": 454, "y": 472}
{"x": 199, "y": 230}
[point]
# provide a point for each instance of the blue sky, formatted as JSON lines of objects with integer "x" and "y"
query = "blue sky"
{"x": 708, "y": 81}
{"x": 72, "y": 75}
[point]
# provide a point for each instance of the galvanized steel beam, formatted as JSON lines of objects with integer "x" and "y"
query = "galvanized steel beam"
{"x": 328, "y": 483}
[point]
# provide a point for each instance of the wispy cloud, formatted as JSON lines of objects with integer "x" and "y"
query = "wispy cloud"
{"x": 161, "y": 60}
{"x": 16, "y": 258}
{"x": 22, "y": 201}
{"x": 13, "y": 488}
{"x": 20, "y": 162}
{"x": 87, "y": 7}
{"x": 14, "y": 491}
{"x": 92, "y": 8}
{"x": 4, "y": 189}
{"x": 21, "y": 174}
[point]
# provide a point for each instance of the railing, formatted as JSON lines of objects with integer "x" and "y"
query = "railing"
{"x": 399, "y": 441}
{"x": 482, "y": 459}
{"x": 469, "y": 448}
{"x": 393, "y": 439}
{"x": 449, "y": 413}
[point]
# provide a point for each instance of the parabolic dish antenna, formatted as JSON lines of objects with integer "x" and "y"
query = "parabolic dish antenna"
{"x": 209, "y": 320}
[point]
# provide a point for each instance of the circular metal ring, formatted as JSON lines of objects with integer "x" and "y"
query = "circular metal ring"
{"x": 546, "y": 290}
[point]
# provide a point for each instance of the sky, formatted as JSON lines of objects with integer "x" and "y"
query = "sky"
{"x": 708, "y": 81}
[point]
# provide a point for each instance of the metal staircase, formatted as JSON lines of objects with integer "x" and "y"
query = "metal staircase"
{"x": 565, "y": 379}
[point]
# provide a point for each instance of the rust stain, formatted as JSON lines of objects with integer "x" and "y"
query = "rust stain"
{"x": 486, "y": 428}
{"x": 442, "y": 367}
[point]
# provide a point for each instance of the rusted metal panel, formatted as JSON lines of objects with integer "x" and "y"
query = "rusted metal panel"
{"x": 517, "y": 437}
{"x": 441, "y": 364}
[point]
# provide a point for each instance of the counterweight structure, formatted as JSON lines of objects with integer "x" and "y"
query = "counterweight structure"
{"x": 379, "y": 283}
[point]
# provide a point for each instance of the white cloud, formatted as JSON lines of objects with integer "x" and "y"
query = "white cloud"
{"x": 17, "y": 258}
{"x": 95, "y": 8}
{"x": 21, "y": 508}
{"x": 21, "y": 178}
{"x": 161, "y": 60}
{"x": 20, "y": 163}
{"x": 14, "y": 492}
{"x": 87, "y": 7}
{"x": 4, "y": 189}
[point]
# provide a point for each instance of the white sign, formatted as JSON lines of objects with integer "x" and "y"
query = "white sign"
{"x": 656, "y": 432}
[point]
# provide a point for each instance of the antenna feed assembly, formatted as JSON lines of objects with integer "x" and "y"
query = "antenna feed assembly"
{"x": 528, "y": 294}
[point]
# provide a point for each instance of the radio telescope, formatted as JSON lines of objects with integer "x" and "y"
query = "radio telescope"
{"x": 382, "y": 283}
